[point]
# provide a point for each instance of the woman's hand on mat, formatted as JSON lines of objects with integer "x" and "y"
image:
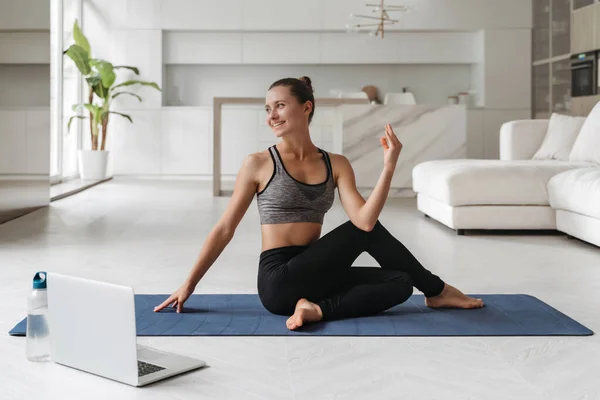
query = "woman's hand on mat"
{"x": 391, "y": 148}
{"x": 177, "y": 299}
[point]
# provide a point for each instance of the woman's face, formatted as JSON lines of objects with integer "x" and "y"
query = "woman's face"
{"x": 284, "y": 113}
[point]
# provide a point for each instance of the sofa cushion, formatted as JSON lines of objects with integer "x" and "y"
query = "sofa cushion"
{"x": 488, "y": 182}
{"x": 587, "y": 144}
{"x": 577, "y": 191}
{"x": 560, "y": 136}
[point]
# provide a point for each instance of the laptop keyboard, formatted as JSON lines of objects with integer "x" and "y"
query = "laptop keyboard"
{"x": 146, "y": 368}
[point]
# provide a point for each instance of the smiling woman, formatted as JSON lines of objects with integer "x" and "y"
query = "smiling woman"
{"x": 301, "y": 273}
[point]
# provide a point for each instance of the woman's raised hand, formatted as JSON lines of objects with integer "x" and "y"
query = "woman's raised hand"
{"x": 391, "y": 148}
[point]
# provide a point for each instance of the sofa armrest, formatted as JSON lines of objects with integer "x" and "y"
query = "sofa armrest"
{"x": 519, "y": 140}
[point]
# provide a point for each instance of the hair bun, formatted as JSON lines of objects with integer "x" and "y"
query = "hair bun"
{"x": 307, "y": 82}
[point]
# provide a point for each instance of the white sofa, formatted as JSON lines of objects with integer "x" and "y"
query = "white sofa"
{"x": 517, "y": 192}
{"x": 575, "y": 195}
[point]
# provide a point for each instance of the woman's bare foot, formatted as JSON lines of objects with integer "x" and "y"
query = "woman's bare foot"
{"x": 451, "y": 297}
{"x": 305, "y": 312}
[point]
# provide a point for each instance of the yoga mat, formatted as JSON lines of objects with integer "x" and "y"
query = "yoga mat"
{"x": 244, "y": 315}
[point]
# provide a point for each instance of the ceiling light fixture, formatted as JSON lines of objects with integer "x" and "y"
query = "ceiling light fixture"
{"x": 383, "y": 19}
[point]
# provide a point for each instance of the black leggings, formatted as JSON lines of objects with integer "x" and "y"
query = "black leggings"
{"x": 322, "y": 273}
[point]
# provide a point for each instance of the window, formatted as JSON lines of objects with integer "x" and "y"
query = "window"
{"x": 65, "y": 91}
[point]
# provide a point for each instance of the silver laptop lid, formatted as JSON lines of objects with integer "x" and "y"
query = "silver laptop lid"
{"x": 92, "y": 327}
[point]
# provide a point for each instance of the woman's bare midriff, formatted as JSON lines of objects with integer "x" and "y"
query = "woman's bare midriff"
{"x": 292, "y": 234}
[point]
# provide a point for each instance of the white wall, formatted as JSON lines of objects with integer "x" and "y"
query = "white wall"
{"x": 196, "y": 85}
{"x": 478, "y": 68}
{"x": 508, "y": 68}
{"x": 308, "y": 15}
{"x": 507, "y": 82}
{"x": 483, "y": 130}
{"x": 141, "y": 48}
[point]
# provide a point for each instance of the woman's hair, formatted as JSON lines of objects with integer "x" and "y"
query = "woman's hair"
{"x": 301, "y": 89}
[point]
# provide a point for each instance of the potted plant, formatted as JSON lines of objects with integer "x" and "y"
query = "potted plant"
{"x": 102, "y": 89}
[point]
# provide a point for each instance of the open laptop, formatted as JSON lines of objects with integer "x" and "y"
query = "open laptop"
{"x": 92, "y": 328}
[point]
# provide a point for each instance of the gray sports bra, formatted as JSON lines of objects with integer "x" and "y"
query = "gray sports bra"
{"x": 286, "y": 199}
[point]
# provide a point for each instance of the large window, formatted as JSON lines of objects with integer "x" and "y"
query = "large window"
{"x": 55, "y": 78}
{"x": 65, "y": 91}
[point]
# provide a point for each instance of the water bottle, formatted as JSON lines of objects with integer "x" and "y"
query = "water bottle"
{"x": 37, "y": 344}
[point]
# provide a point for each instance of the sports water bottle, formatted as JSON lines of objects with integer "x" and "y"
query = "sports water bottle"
{"x": 37, "y": 344}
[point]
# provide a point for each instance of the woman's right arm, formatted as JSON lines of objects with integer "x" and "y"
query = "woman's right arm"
{"x": 221, "y": 234}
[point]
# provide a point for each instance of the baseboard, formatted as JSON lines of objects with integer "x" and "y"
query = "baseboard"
{"x": 78, "y": 188}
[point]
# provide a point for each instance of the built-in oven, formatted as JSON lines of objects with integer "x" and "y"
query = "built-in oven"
{"x": 584, "y": 74}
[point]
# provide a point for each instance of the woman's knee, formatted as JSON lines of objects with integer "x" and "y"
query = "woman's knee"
{"x": 376, "y": 226}
{"x": 277, "y": 306}
{"x": 362, "y": 229}
{"x": 405, "y": 283}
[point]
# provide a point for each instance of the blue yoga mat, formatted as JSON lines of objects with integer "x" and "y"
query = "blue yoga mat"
{"x": 244, "y": 315}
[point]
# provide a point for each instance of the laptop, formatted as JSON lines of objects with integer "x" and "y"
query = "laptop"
{"x": 92, "y": 328}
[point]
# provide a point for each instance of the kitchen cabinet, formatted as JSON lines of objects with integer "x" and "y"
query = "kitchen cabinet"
{"x": 541, "y": 90}
{"x": 581, "y": 106}
{"x": 582, "y": 30}
{"x": 561, "y": 86}
{"x": 596, "y": 32}
{"x": 561, "y": 27}
{"x": 541, "y": 30}
{"x": 589, "y": 102}
{"x": 577, "y": 4}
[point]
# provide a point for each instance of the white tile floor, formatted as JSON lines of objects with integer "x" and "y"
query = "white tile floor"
{"x": 148, "y": 233}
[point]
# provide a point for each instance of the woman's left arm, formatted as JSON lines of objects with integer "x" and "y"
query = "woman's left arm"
{"x": 364, "y": 214}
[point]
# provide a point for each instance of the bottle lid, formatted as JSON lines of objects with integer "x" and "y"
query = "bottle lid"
{"x": 39, "y": 280}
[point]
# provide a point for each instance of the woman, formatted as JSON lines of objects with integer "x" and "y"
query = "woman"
{"x": 301, "y": 274}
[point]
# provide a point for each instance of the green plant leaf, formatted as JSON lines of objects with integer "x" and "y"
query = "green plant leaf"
{"x": 92, "y": 108}
{"x": 129, "y": 93}
{"x": 101, "y": 91}
{"x": 105, "y": 70}
{"x": 134, "y": 69}
{"x": 80, "y": 38}
{"x": 93, "y": 80}
{"x": 122, "y": 115}
{"x": 81, "y": 58}
{"x": 144, "y": 83}
{"x": 89, "y": 107}
{"x": 71, "y": 120}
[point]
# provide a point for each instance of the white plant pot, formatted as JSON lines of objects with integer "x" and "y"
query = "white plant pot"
{"x": 93, "y": 165}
